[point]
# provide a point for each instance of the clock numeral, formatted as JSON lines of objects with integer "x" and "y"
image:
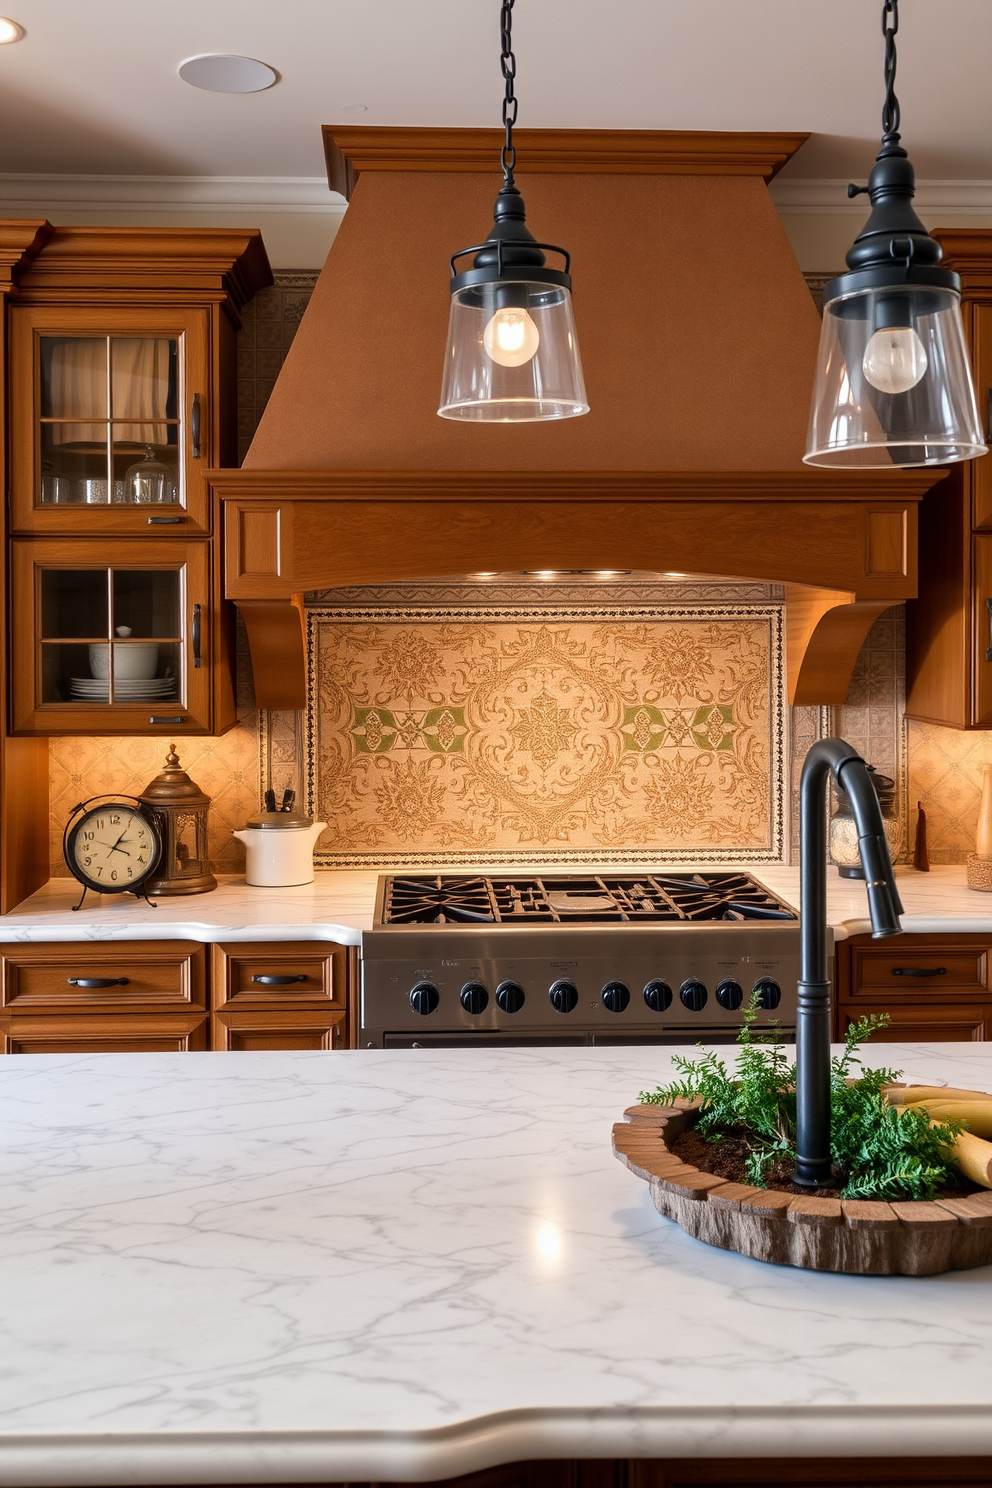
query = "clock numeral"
{"x": 130, "y": 872}
{"x": 100, "y": 871}
{"x": 114, "y": 875}
{"x": 141, "y": 860}
{"x": 87, "y": 862}
{"x": 89, "y": 836}
{"x": 115, "y": 819}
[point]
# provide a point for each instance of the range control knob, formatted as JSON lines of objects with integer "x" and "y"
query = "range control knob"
{"x": 424, "y": 998}
{"x": 509, "y": 997}
{"x": 658, "y": 996}
{"x": 615, "y": 997}
{"x": 563, "y": 996}
{"x": 730, "y": 995}
{"x": 769, "y": 993}
{"x": 693, "y": 995}
{"x": 475, "y": 998}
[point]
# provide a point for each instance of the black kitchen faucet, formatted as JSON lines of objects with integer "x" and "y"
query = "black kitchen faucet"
{"x": 813, "y": 1164}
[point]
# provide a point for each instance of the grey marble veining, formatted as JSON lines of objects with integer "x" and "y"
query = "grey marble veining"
{"x": 316, "y": 1266}
{"x": 339, "y": 906}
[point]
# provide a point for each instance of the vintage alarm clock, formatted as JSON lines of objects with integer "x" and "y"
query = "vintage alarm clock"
{"x": 112, "y": 845}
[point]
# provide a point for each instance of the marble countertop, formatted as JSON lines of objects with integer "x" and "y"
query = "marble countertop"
{"x": 339, "y": 905}
{"x": 411, "y": 1264}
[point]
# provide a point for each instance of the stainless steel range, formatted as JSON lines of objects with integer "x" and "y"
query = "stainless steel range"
{"x": 612, "y": 958}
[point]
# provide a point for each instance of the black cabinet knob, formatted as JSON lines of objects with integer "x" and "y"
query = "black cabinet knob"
{"x": 424, "y": 998}
{"x": 615, "y": 997}
{"x": 509, "y": 997}
{"x": 693, "y": 995}
{"x": 563, "y": 996}
{"x": 658, "y": 996}
{"x": 730, "y": 995}
{"x": 769, "y": 993}
{"x": 474, "y": 997}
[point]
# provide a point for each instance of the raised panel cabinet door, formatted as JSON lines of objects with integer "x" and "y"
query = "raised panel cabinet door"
{"x": 111, "y": 419}
{"x": 115, "y": 637}
{"x": 74, "y": 978}
{"x": 981, "y": 628}
{"x": 917, "y": 1023}
{"x": 978, "y": 325}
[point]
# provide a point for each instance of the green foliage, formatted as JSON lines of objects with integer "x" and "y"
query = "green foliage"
{"x": 880, "y": 1151}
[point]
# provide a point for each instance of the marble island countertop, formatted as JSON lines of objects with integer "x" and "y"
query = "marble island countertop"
{"x": 396, "y": 1265}
{"x": 340, "y": 903}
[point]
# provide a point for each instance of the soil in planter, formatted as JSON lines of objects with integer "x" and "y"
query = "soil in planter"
{"x": 727, "y": 1158}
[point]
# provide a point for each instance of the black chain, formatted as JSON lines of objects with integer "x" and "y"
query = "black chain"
{"x": 890, "y": 109}
{"x": 508, "y": 64}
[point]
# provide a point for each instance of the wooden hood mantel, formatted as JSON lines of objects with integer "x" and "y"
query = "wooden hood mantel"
{"x": 698, "y": 338}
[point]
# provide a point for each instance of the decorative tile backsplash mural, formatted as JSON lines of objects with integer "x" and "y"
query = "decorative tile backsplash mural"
{"x": 511, "y": 734}
{"x": 945, "y": 775}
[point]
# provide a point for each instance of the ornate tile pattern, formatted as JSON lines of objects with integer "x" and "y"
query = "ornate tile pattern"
{"x": 945, "y": 776}
{"x": 269, "y": 323}
{"x": 512, "y": 734}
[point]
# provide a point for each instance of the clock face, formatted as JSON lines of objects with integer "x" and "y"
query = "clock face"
{"x": 113, "y": 848}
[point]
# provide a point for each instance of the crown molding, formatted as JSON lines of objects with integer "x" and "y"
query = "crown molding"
{"x": 351, "y": 149}
{"x": 968, "y": 198}
{"x": 44, "y": 193}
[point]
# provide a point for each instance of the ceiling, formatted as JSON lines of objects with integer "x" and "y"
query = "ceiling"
{"x": 92, "y": 88}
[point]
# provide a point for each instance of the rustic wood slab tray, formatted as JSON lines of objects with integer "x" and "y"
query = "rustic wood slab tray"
{"x": 851, "y": 1235}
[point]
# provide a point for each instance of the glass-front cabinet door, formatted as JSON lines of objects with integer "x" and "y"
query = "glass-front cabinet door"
{"x": 107, "y": 638}
{"x": 109, "y": 420}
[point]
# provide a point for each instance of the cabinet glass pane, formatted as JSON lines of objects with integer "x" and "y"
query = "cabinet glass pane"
{"x": 74, "y": 378}
{"x": 74, "y": 602}
{"x": 143, "y": 380}
{"x": 146, "y": 465}
{"x": 73, "y": 465}
{"x": 148, "y": 602}
{"x": 60, "y": 663}
{"x": 136, "y": 672}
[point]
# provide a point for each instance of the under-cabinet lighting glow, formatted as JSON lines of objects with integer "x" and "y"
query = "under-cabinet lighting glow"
{"x": 9, "y": 31}
{"x": 548, "y": 1241}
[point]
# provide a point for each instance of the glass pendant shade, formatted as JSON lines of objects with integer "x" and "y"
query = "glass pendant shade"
{"x": 512, "y": 354}
{"x": 893, "y": 380}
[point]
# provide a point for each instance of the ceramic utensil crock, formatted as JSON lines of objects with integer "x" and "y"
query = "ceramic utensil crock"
{"x": 279, "y": 847}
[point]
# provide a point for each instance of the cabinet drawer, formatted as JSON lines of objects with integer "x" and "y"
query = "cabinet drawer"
{"x": 925, "y": 972}
{"x": 295, "y": 1028}
{"x": 139, "y": 974}
{"x": 913, "y": 1024}
{"x": 310, "y": 973}
{"x": 125, "y": 1032}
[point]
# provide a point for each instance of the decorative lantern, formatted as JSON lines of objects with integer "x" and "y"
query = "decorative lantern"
{"x": 180, "y": 811}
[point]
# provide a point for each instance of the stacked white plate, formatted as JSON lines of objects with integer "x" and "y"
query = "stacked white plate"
{"x": 126, "y": 690}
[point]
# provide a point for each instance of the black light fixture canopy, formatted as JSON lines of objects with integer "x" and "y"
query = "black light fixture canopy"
{"x": 893, "y": 383}
{"x": 512, "y": 353}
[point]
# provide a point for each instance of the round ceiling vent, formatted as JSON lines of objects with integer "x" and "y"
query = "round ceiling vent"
{"x": 219, "y": 72}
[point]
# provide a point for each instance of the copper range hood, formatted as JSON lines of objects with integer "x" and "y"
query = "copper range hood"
{"x": 698, "y": 339}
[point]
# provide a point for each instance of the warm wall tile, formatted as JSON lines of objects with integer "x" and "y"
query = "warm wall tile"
{"x": 945, "y": 775}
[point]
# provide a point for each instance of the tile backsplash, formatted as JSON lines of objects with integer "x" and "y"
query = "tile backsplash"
{"x": 405, "y": 759}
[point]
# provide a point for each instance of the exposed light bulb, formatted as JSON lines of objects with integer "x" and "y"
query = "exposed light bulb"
{"x": 511, "y": 338}
{"x": 895, "y": 359}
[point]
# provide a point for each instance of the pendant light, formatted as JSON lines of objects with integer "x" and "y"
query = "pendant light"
{"x": 893, "y": 381}
{"x": 512, "y": 354}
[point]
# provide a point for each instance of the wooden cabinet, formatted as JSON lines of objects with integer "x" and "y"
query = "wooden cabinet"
{"x": 281, "y": 995}
{"x": 166, "y": 995}
{"x": 934, "y": 989}
{"x": 121, "y": 347}
{"x": 949, "y": 624}
{"x": 70, "y": 669}
{"x": 87, "y": 997}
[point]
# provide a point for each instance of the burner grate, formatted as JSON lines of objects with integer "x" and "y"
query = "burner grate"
{"x": 514, "y": 899}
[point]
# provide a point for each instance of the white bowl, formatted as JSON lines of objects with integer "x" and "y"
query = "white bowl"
{"x": 131, "y": 659}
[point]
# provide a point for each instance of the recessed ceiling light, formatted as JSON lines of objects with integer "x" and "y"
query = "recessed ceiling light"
{"x": 354, "y": 108}
{"x": 219, "y": 73}
{"x": 9, "y": 31}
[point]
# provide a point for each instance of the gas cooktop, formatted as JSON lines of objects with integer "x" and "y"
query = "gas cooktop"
{"x": 518, "y": 900}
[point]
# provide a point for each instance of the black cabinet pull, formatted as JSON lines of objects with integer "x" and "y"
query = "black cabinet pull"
{"x": 280, "y": 981}
{"x": 97, "y": 981}
{"x": 165, "y": 521}
{"x": 988, "y": 606}
{"x": 923, "y": 971}
{"x": 155, "y": 719}
{"x": 195, "y": 426}
{"x": 988, "y": 426}
{"x": 196, "y": 636}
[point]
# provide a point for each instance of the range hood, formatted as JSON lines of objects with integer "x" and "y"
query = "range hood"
{"x": 698, "y": 338}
